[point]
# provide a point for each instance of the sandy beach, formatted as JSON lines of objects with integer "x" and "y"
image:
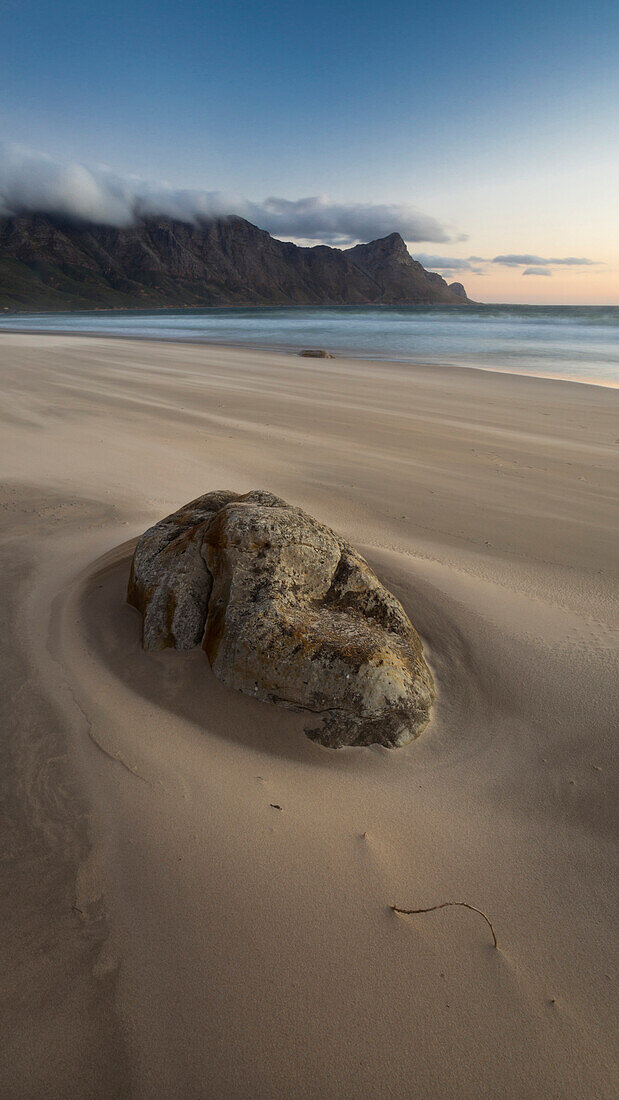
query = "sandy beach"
{"x": 167, "y": 931}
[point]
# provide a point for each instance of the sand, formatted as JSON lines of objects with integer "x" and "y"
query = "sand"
{"x": 166, "y": 931}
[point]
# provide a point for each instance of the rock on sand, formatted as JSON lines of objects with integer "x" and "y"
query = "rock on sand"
{"x": 286, "y": 611}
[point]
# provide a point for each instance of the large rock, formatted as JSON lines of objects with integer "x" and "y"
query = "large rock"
{"x": 286, "y": 611}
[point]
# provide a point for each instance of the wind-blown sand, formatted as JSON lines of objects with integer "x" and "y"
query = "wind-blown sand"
{"x": 166, "y": 931}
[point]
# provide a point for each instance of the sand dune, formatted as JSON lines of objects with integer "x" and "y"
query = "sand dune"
{"x": 169, "y": 932}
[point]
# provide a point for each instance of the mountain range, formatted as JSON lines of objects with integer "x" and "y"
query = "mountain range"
{"x": 51, "y": 263}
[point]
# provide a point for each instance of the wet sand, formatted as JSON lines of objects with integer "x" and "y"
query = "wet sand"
{"x": 167, "y": 932}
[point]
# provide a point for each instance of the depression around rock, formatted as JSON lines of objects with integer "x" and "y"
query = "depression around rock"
{"x": 286, "y": 611}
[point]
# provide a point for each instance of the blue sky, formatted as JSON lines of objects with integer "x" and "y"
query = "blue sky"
{"x": 499, "y": 121}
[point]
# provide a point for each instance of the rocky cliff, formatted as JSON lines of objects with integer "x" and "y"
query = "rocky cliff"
{"x": 50, "y": 263}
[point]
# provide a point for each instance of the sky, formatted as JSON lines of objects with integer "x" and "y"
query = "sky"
{"x": 486, "y": 133}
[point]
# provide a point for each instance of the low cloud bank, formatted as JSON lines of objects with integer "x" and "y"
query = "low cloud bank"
{"x": 450, "y": 264}
{"x": 318, "y": 219}
{"x": 33, "y": 183}
{"x": 515, "y": 260}
{"x": 477, "y": 265}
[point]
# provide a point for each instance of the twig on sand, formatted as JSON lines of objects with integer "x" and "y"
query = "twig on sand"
{"x": 445, "y": 905}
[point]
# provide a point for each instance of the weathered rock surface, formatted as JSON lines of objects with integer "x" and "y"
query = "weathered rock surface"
{"x": 286, "y": 611}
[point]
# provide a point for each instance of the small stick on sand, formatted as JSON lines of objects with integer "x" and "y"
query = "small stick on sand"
{"x": 445, "y": 905}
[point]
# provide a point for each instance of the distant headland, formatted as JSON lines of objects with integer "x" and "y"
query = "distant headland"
{"x": 51, "y": 263}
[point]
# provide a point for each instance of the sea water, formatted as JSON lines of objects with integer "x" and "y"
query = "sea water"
{"x": 571, "y": 342}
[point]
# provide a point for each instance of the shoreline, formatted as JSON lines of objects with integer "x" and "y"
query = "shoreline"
{"x": 293, "y": 350}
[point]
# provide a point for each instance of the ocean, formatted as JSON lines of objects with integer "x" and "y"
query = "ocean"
{"x": 570, "y": 342}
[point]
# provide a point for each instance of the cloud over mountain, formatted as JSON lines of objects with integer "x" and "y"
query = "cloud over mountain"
{"x": 31, "y": 182}
{"x": 449, "y": 263}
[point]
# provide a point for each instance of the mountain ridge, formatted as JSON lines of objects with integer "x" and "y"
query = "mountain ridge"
{"x": 48, "y": 262}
